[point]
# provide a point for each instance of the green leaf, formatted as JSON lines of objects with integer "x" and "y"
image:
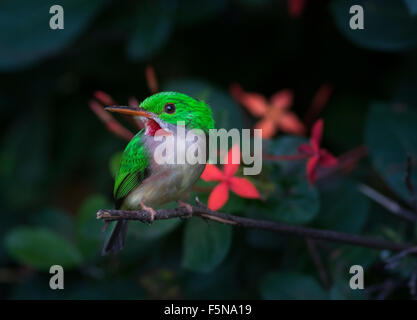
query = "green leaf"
{"x": 205, "y": 245}
{"x": 348, "y": 256}
{"x": 412, "y": 6}
{"x": 291, "y": 286}
{"x": 349, "y": 215}
{"x": 294, "y": 201}
{"x": 226, "y": 112}
{"x": 342, "y": 291}
{"x": 41, "y": 248}
{"x": 263, "y": 240}
{"x": 54, "y": 219}
{"x": 25, "y": 34}
{"x": 286, "y": 146}
{"x": 154, "y": 24}
{"x": 89, "y": 234}
{"x": 388, "y": 26}
{"x": 298, "y": 204}
{"x": 391, "y": 136}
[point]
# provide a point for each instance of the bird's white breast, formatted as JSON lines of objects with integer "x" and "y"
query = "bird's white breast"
{"x": 168, "y": 182}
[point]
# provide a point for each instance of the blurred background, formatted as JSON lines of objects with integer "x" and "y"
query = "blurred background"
{"x": 58, "y": 160}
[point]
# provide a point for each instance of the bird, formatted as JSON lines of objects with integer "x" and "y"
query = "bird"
{"x": 143, "y": 182}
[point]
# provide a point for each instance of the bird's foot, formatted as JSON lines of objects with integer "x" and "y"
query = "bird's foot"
{"x": 187, "y": 206}
{"x": 149, "y": 210}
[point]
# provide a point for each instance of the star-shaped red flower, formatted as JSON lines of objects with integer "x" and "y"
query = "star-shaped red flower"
{"x": 240, "y": 186}
{"x": 317, "y": 156}
{"x": 275, "y": 114}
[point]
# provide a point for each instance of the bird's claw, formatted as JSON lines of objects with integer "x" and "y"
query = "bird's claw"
{"x": 188, "y": 207}
{"x": 149, "y": 210}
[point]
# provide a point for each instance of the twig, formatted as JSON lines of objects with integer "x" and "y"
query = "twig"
{"x": 387, "y": 203}
{"x": 408, "y": 182}
{"x": 305, "y": 232}
{"x": 388, "y": 288}
{"x": 312, "y": 249}
{"x": 412, "y": 283}
{"x": 408, "y": 175}
{"x": 394, "y": 260}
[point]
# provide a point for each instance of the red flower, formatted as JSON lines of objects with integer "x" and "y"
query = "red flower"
{"x": 296, "y": 7}
{"x": 241, "y": 186}
{"x": 275, "y": 114}
{"x": 317, "y": 156}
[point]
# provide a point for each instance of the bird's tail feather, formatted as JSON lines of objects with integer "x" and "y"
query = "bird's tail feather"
{"x": 116, "y": 242}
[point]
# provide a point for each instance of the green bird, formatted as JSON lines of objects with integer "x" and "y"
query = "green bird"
{"x": 144, "y": 183}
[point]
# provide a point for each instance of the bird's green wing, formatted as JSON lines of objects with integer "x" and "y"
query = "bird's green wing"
{"x": 134, "y": 168}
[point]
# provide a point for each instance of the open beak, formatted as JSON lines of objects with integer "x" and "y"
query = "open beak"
{"x": 130, "y": 110}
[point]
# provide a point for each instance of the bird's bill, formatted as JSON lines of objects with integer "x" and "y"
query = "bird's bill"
{"x": 130, "y": 111}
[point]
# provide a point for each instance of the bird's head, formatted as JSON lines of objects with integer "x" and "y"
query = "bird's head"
{"x": 166, "y": 110}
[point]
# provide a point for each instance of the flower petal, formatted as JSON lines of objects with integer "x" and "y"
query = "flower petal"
{"x": 255, "y": 103}
{"x": 316, "y": 134}
{"x": 305, "y": 149}
{"x": 104, "y": 98}
{"x": 218, "y": 196}
{"x": 296, "y": 7}
{"x": 311, "y": 169}
{"x": 322, "y": 96}
{"x": 327, "y": 159}
{"x": 212, "y": 173}
{"x": 290, "y": 123}
{"x": 268, "y": 126}
{"x": 133, "y": 102}
{"x": 243, "y": 188}
{"x": 282, "y": 99}
{"x": 151, "y": 80}
{"x": 232, "y": 161}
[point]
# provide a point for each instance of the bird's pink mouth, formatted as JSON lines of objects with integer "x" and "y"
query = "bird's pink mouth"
{"x": 151, "y": 127}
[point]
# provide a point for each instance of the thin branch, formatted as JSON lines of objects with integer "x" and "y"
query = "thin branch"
{"x": 408, "y": 182}
{"x": 388, "y": 204}
{"x": 201, "y": 211}
{"x": 412, "y": 283}
{"x": 395, "y": 260}
{"x": 315, "y": 255}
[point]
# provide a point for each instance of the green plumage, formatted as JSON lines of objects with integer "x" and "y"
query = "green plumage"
{"x": 133, "y": 168}
{"x": 195, "y": 113}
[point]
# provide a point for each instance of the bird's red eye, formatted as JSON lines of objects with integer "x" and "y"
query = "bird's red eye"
{"x": 169, "y": 108}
